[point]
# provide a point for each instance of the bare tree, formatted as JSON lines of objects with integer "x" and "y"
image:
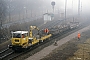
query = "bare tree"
{"x": 2, "y": 17}
{"x": 2, "y": 12}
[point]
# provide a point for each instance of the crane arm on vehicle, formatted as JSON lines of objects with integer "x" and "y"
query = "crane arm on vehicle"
{"x": 32, "y": 28}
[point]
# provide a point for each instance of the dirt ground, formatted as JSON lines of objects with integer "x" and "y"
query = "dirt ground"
{"x": 73, "y": 50}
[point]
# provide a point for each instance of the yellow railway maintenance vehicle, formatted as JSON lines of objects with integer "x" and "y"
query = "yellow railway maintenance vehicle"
{"x": 24, "y": 39}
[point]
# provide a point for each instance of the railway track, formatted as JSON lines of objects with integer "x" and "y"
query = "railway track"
{"x": 12, "y": 55}
{"x": 47, "y": 43}
{"x": 5, "y": 53}
{"x": 4, "y": 50}
{"x": 37, "y": 48}
{"x": 9, "y": 54}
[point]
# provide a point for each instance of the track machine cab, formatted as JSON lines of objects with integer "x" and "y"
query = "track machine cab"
{"x": 19, "y": 39}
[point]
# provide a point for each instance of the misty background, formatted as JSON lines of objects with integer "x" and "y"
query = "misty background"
{"x": 23, "y": 13}
{"x": 10, "y": 9}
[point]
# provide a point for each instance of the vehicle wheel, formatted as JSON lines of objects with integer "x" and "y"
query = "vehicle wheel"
{"x": 41, "y": 41}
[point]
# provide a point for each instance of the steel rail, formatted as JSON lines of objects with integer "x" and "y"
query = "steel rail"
{"x": 6, "y": 55}
{"x": 4, "y": 50}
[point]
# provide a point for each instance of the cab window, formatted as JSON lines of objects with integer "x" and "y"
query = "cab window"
{"x": 24, "y": 35}
{"x": 15, "y": 35}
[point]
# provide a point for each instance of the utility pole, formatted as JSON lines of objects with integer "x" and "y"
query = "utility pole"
{"x": 9, "y": 7}
{"x": 25, "y": 8}
{"x": 31, "y": 13}
{"x": 72, "y": 7}
{"x": 53, "y": 4}
{"x": 78, "y": 7}
{"x": 72, "y": 11}
{"x": 65, "y": 9}
{"x": 81, "y": 7}
{"x": 1, "y": 23}
{"x": 26, "y": 13}
{"x": 19, "y": 15}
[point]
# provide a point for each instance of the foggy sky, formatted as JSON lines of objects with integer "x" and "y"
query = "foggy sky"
{"x": 85, "y": 5}
{"x": 42, "y": 6}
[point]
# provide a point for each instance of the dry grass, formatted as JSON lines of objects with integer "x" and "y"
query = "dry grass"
{"x": 83, "y": 53}
{"x": 72, "y": 50}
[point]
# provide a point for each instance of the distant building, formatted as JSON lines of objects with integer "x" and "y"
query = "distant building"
{"x": 48, "y": 17}
{"x": 62, "y": 15}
